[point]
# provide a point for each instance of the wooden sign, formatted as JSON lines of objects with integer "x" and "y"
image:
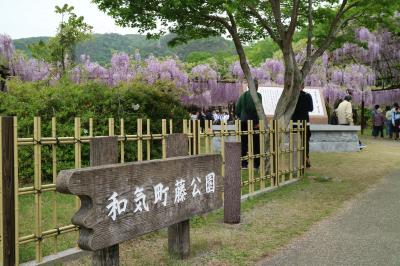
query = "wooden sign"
{"x": 122, "y": 201}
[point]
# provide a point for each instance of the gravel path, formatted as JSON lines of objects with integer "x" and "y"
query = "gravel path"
{"x": 365, "y": 232}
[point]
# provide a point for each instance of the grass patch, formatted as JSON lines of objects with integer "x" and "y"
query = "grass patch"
{"x": 271, "y": 220}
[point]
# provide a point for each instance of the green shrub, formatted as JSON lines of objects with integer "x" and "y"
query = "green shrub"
{"x": 66, "y": 100}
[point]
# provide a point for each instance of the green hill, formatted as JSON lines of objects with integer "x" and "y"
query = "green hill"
{"x": 101, "y": 46}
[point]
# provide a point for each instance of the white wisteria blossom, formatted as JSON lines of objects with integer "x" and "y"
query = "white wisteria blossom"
{"x": 116, "y": 206}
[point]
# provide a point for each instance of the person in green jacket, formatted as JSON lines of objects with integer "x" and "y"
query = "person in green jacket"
{"x": 246, "y": 110}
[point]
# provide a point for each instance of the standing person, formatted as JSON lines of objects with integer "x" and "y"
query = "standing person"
{"x": 389, "y": 126}
{"x": 344, "y": 112}
{"x": 246, "y": 110}
{"x": 396, "y": 120}
{"x": 301, "y": 112}
{"x": 378, "y": 120}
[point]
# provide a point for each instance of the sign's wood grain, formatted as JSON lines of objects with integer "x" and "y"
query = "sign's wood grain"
{"x": 96, "y": 185}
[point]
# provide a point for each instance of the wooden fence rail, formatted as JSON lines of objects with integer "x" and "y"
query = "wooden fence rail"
{"x": 33, "y": 184}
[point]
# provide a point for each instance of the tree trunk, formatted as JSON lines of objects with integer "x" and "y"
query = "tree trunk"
{"x": 293, "y": 82}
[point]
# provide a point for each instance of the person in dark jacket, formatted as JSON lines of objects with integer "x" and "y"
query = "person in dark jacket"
{"x": 301, "y": 112}
{"x": 246, "y": 110}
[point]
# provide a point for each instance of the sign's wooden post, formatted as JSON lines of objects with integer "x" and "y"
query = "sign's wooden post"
{"x": 105, "y": 151}
{"x": 232, "y": 182}
{"x": 178, "y": 234}
{"x": 8, "y": 192}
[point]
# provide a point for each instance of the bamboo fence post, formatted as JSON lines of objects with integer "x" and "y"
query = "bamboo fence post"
{"x": 163, "y": 138}
{"x": 38, "y": 186}
{"x": 91, "y": 127}
{"x": 207, "y": 137}
{"x": 291, "y": 149}
{"x": 298, "y": 150}
{"x": 78, "y": 160}
{"x": 123, "y": 134}
{"x": 250, "y": 149}
{"x": 198, "y": 137}
{"x": 111, "y": 127}
{"x": 272, "y": 171}
{"x": 222, "y": 133}
{"x": 277, "y": 152}
{"x": 190, "y": 137}
{"x": 140, "y": 139}
{"x": 262, "y": 154}
{"x": 148, "y": 147}
{"x": 16, "y": 189}
{"x": 54, "y": 167}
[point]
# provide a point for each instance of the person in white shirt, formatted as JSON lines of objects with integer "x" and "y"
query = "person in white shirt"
{"x": 345, "y": 112}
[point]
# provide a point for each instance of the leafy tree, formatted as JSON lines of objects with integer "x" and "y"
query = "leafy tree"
{"x": 61, "y": 48}
{"x": 248, "y": 20}
{"x": 198, "y": 57}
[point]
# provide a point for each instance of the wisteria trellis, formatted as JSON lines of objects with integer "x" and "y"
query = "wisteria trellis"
{"x": 353, "y": 69}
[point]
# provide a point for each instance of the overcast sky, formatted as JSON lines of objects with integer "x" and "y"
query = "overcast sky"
{"x": 30, "y": 18}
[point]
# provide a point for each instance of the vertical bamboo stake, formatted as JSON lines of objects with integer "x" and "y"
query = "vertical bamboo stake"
{"x": 163, "y": 136}
{"x": 54, "y": 167}
{"x": 190, "y": 137}
{"x": 185, "y": 131}
{"x": 111, "y": 127}
{"x": 272, "y": 171}
{"x": 262, "y": 154}
{"x": 237, "y": 130}
{"x": 122, "y": 133}
{"x": 91, "y": 127}
{"x": 148, "y": 133}
{"x": 16, "y": 189}
{"x": 38, "y": 187}
{"x": 250, "y": 166}
{"x": 198, "y": 137}
{"x": 194, "y": 139}
{"x": 77, "y": 135}
{"x": 298, "y": 151}
{"x": 212, "y": 135}
{"x": 291, "y": 149}
{"x": 207, "y": 137}
{"x": 139, "y": 141}
{"x": 171, "y": 127}
{"x": 277, "y": 152}
{"x": 223, "y": 147}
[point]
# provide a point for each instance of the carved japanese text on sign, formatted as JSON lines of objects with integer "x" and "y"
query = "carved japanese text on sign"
{"x": 123, "y": 201}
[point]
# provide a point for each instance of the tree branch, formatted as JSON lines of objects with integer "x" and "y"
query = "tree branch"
{"x": 264, "y": 23}
{"x": 310, "y": 30}
{"x": 276, "y": 11}
{"x": 293, "y": 18}
{"x": 333, "y": 29}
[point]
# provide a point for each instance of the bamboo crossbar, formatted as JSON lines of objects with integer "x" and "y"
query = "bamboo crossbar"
{"x": 285, "y": 162}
